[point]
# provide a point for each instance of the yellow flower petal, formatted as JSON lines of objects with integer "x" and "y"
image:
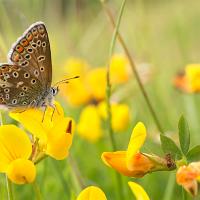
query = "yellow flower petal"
{"x": 193, "y": 77}
{"x": 60, "y": 139}
{"x": 96, "y": 83}
{"x": 119, "y": 69}
{"x": 136, "y": 141}
{"x": 89, "y": 126}
{"x": 76, "y": 93}
{"x": 92, "y": 193}
{"x": 21, "y": 171}
{"x": 14, "y": 143}
{"x": 138, "y": 191}
{"x": 32, "y": 119}
{"x": 120, "y": 115}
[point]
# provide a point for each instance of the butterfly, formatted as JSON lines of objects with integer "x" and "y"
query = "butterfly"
{"x": 25, "y": 81}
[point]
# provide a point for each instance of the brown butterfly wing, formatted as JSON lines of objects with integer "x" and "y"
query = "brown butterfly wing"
{"x": 32, "y": 53}
{"x": 18, "y": 88}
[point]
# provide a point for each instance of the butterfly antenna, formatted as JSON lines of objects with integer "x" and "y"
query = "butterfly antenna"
{"x": 66, "y": 80}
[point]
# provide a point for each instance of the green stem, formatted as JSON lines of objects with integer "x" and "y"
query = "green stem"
{"x": 108, "y": 95}
{"x": 61, "y": 178}
{"x": 133, "y": 67}
{"x": 76, "y": 172}
{"x": 37, "y": 191}
{"x": 9, "y": 188}
{"x": 170, "y": 187}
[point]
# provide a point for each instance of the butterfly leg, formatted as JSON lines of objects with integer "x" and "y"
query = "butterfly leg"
{"x": 45, "y": 108}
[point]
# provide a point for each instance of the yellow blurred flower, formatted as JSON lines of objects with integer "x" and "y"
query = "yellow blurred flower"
{"x": 119, "y": 69}
{"x": 92, "y": 193}
{"x": 55, "y": 132}
{"x": 90, "y": 121}
{"x": 138, "y": 191}
{"x": 133, "y": 163}
{"x": 15, "y": 151}
{"x": 189, "y": 176}
{"x": 96, "y": 83}
{"x": 190, "y": 80}
{"x": 91, "y": 86}
{"x": 76, "y": 93}
{"x": 120, "y": 115}
{"x": 89, "y": 126}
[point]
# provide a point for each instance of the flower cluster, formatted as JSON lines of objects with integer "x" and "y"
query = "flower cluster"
{"x": 90, "y": 90}
{"x": 51, "y": 135}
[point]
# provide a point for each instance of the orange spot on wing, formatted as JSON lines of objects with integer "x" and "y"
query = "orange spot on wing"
{"x": 19, "y": 48}
{"x": 29, "y": 37}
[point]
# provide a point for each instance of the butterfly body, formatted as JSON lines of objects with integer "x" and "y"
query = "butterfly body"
{"x": 25, "y": 81}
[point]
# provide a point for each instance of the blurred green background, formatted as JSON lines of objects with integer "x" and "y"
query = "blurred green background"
{"x": 164, "y": 34}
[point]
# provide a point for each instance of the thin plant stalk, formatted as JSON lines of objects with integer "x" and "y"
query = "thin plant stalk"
{"x": 76, "y": 172}
{"x": 9, "y": 188}
{"x": 133, "y": 67}
{"x": 36, "y": 189}
{"x": 8, "y": 182}
{"x": 108, "y": 95}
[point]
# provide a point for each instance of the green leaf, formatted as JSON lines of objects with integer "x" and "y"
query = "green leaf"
{"x": 184, "y": 135}
{"x": 194, "y": 154}
{"x": 169, "y": 146}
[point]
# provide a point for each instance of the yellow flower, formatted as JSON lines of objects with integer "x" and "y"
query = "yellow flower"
{"x": 138, "y": 191}
{"x": 190, "y": 80}
{"x": 91, "y": 193}
{"x": 55, "y": 132}
{"x": 96, "y": 83}
{"x": 119, "y": 69}
{"x": 76, "y": 93}
{"x": 89, "y": 126}
{"x": 15, "y": 151}
{"x": 120, "y": 115}
{"x": 193, "y": 77}
{"x": 188, "y": 176}
{"x": 133, "y": 163}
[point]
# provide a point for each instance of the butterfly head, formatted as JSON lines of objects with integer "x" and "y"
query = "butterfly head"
{"x": 54, "y": 90}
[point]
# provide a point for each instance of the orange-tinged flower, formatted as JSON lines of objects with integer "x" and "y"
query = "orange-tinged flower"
{"x": 188, "y": 177}
{"x": 133, "y": 163}
{"x": 89, "y": 126}
{"x": 190, "y": 80}
{"x": 117, "y": 160}
{"x": 138, "y": 191}
{"x": 120, "y": 115}
{"x": 55, "y": 132}
{"x": 91, "y": 193}
{"x": 119, "y": 69}
{"x": 15, "y": 151}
